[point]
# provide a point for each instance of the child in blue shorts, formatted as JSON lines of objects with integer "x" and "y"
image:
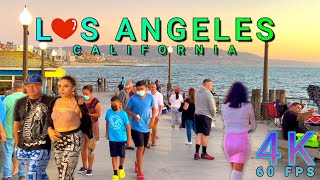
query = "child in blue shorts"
{"x": 118, "y": 132}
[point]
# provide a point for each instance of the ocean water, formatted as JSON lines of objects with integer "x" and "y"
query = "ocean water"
{"x": 293, "y": 80}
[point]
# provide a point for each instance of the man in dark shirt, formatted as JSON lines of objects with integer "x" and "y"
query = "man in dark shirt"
{"x": 99, "y": 81}
{"x": 31, "y": 116}
{"x": 120, "y": 86}
{"x": 291, "y": 119}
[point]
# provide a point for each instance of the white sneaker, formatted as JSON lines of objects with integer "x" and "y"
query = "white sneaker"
{"x": 188, "y": 143}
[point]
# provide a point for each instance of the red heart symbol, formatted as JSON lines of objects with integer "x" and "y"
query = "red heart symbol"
{"x": 64, "y": 29}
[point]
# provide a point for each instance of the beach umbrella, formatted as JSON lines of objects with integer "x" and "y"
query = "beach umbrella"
{"x": 314, "y": 93}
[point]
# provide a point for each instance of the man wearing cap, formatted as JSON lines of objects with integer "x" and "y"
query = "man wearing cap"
{"x": 10, "y": 102}
{"x": 31, "y": 116}
{"x": 205, "y": 110}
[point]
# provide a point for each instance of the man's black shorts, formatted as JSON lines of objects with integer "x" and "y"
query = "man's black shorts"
{"x": 140, "y": 139}
{"x": 203, "y": 124}
{"x": 117, "y": 149}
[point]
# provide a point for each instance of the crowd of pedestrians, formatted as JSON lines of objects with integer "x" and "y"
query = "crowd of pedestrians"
{"x": 34, "y": 124}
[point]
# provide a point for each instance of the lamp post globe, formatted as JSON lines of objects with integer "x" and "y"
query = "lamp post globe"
{"x": 265, "y": 34}
{"x": 43, "y": 45}
{"x": 53, "y": 54}
{"x": 25, "y": 19}
{"x": 169, "y": 85}
{"x": 170, "y": 49}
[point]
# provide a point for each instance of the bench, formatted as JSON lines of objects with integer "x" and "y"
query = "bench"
{"x": 282, "y": 143}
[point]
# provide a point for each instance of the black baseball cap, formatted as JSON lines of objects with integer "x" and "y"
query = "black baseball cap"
{"x": 33, "y": 80}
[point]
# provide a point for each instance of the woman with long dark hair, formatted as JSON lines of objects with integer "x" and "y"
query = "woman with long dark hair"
{"x": 175, "y": 102}
{"x": 239, "y": 120}
{"x": 189, "y": 109}
{"x": 68, "y": 121}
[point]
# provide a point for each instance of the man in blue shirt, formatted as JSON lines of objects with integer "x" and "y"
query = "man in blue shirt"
{"x": 2, "y": 133}
{"x": 138, "y": 108}
{"x": 2, "y": 113}
{"x": 123, "y": 81}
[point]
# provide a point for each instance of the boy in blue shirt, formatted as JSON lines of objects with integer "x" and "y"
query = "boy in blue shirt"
{"x": 138, "y": 108}
{"x": 118, "y": 132}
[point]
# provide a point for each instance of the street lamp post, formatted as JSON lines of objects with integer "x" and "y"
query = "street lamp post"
{"x": 265, "y": 73}
{"x": 25, "y": 19}
{"x": 265, "y": 79}
{"x": 43, "y": 46}
{"x": 169, "y": 85}
{"x": 53, "y": 53}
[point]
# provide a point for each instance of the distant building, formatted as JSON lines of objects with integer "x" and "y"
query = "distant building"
{"x": 1, "y": 46}
{"x": 9, "y": 46}
{"x": 20, "y": 48}
{"x": 11, "y": 70}
{"x": 61, "y": 54}
{"x": 68, "y": 53}
{"x": 71, "y": 58}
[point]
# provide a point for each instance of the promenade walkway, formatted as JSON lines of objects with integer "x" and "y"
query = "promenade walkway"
{"x": 171, "y": 159}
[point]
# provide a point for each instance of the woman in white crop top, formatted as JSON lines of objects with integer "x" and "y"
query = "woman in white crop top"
{"x": 239, "y": 120}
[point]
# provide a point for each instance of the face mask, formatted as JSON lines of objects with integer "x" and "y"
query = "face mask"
{"x": 86, "y": 98}
{"x": 141, "y": 93}
{"x": 114, "y": 108}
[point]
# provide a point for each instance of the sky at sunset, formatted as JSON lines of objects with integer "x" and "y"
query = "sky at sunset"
{"x": 296, "y": 28}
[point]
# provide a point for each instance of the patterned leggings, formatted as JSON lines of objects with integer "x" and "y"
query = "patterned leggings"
{"x": 35, "y": 162}
{"x": 66, "y": 153}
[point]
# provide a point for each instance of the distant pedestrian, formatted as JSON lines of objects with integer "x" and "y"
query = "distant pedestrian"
{"x": 158, "y": 99}
{"x": 2, "y": 113}
{"x": 99, "y": 81}
{"x": 239, "y": 120}
{"x": 124, "y": 94}
{"x": 94, "y": 108}
{"x": 120, "y": 86}
{"x": 205, "y": 110}
{"x": 138, "y": 108}
{"x": 10, "y": 103}
{"x": 175, "y": 102}
{"x": 3, "y": 136}
{"x": 123, "y": 81}
{"x": 124, "y": 98}
{"x": 189, "y": 109}
{"x": 133, "y": 91}
{"x": 158, "y": 85}
{"x": 118, "y": 132}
